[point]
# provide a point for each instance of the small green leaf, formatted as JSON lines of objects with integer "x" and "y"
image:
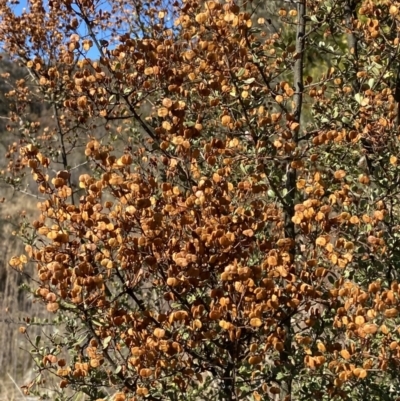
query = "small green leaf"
{"x": 346, "y": 120}
{"x": 249, "y": 81}
{"x": 371, "y": 83}
{"x": 241, "y": 72}
{"x": 37, "y": 340}
{"x": 106, "y": 341}
{"x": 280, "y": 376}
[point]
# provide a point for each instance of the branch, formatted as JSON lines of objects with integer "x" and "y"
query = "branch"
{"x": 291, "y": 176}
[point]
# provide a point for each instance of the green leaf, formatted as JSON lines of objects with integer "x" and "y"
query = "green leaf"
{"x": 371, "y": 83}
{"x": 358, "y": 98}
{"x": 280, "y": 376}
{"x": 249, "y": 81}
{"x": 346, "y": 120}
{"x": 37, "y": 340}
{"x": 106, "y": 341}
{"x": 241, "y": 72}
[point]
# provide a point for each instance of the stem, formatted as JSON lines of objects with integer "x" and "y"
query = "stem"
{"x": 64, "y": 155}
{"x": 291, "y": 176}
{"x": 352, "y": 42}
{"x": 228, "y": 383}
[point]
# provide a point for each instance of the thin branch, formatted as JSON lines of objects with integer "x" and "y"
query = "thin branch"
{"x": 291, "y": 176}
{"x": 63, "y": 149}
{"x": 16, "y": 385}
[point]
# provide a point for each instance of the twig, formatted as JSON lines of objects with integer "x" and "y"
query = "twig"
{"x": 16, "y": 385}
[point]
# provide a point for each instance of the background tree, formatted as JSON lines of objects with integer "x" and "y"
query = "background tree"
{"x": 236, "y": 234}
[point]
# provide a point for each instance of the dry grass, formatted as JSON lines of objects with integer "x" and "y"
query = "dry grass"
{"x": 15, "y": 361}
{"x": 16, "y": 365}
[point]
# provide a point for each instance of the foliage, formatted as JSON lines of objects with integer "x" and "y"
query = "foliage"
{"x": 236, "y": 236}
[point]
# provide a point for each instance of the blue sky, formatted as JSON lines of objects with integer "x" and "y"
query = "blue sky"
{"x": 24, "y": 5}
{"x": 104, "y": 5}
